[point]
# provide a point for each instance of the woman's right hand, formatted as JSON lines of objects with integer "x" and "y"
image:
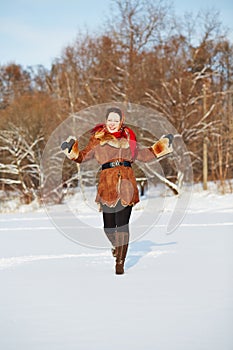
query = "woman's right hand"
{"x": 70, "y": 148}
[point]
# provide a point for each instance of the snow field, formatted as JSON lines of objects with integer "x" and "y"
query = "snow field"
{"x": 176, "y": 292}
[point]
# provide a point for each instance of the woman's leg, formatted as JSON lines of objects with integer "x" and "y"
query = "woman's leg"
{"x": 116, "y": 227}
{"x": 122, "y": 236}
{"x": 122, "y": 218}
{"x": 116, "y": 218}
{"x": 109, "y": 220}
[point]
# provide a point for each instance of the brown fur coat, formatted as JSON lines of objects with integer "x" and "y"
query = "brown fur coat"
{"x": 116, "y": 183}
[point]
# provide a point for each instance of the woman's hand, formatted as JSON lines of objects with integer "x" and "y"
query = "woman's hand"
{"x": 163, "y": 146}
{"x": 70, "y": 148}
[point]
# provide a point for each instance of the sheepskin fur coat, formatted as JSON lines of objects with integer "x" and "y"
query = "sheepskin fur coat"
{"x": 117, "y": 183}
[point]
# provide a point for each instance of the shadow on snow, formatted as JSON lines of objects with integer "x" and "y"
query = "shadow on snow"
{"x": 138, "y": 250}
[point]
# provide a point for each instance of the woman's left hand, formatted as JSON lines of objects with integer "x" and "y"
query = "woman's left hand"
{"x": 163, "y": 146}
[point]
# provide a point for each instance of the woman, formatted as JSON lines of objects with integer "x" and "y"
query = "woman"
{"x": 114, "y": 146}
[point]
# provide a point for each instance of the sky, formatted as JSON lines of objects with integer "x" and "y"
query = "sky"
{"x": 35, "y": 32}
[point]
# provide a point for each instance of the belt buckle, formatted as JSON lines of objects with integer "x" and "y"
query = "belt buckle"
{"x": 116, "y": 163}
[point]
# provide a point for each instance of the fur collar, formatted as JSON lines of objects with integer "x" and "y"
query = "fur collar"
{"x": 111, "y": 140}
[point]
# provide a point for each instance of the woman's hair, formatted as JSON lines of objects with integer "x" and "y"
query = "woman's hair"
{"x": 114, "y": 110}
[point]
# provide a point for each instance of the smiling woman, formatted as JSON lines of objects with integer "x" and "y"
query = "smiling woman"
{"x": 113, "y": 145}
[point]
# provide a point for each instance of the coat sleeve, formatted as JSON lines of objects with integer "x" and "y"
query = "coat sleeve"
{"x": 145, "y": 155}
{"x": 159, "y": 149}
{"x": 88, "y": 152}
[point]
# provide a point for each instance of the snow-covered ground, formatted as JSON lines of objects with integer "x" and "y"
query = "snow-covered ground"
{"x": 177, "y": 292}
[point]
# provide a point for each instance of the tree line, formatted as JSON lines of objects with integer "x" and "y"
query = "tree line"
{"x": 144, "y": 54}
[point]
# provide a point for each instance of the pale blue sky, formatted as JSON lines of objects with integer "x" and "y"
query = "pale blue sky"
{"x": 35, "y": 31}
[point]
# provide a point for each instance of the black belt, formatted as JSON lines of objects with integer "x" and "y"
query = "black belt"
{"x": 116, "y": 163}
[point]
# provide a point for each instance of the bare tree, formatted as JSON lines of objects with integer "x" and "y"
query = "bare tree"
{"x": 136, "y": 26}
{"x": 14, "y": 82}
{"x": 21, "y": 170}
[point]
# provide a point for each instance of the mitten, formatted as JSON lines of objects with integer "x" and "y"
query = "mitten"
{"x": 163, "y": 146}
{"x": 70, "y": 148}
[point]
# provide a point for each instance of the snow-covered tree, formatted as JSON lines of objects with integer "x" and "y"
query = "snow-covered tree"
{"x": 19, "y": 166}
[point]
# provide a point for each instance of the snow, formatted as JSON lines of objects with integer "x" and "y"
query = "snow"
{"x": 177, "y": 292}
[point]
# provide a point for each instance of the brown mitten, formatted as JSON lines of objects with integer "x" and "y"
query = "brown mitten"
{"x": 163, "y": 146}
{"x": 70, "y": 148}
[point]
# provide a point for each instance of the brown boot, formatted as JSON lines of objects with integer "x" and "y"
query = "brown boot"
{"x": 122, "y": 240}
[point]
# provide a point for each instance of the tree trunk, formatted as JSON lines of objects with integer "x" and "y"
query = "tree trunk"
{"x": 205, "y": 163}
{"x": 205, "y": 149}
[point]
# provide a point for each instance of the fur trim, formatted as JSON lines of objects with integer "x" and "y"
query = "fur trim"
{"x": 121, "y": 143}
{"x": 99, "y": 134}
{"x": 106, "y": 138}
{"x": 163, "y": 146}
{"x": 75, "y": 151}
{"x": 124, "y": 138}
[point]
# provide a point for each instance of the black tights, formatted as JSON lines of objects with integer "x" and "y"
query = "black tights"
{"x": 116, "y": 219}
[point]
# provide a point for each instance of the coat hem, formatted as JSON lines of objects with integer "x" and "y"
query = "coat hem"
{"x": 114, "y": 204}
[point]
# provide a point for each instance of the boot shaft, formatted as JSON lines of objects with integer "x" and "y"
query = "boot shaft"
{"x": 122, "y": 240}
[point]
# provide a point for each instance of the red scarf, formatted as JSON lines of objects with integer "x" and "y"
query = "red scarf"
{"x": 125, "y": 132}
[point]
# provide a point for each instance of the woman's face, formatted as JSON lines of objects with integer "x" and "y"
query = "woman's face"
{"x": 113, "y": 122}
